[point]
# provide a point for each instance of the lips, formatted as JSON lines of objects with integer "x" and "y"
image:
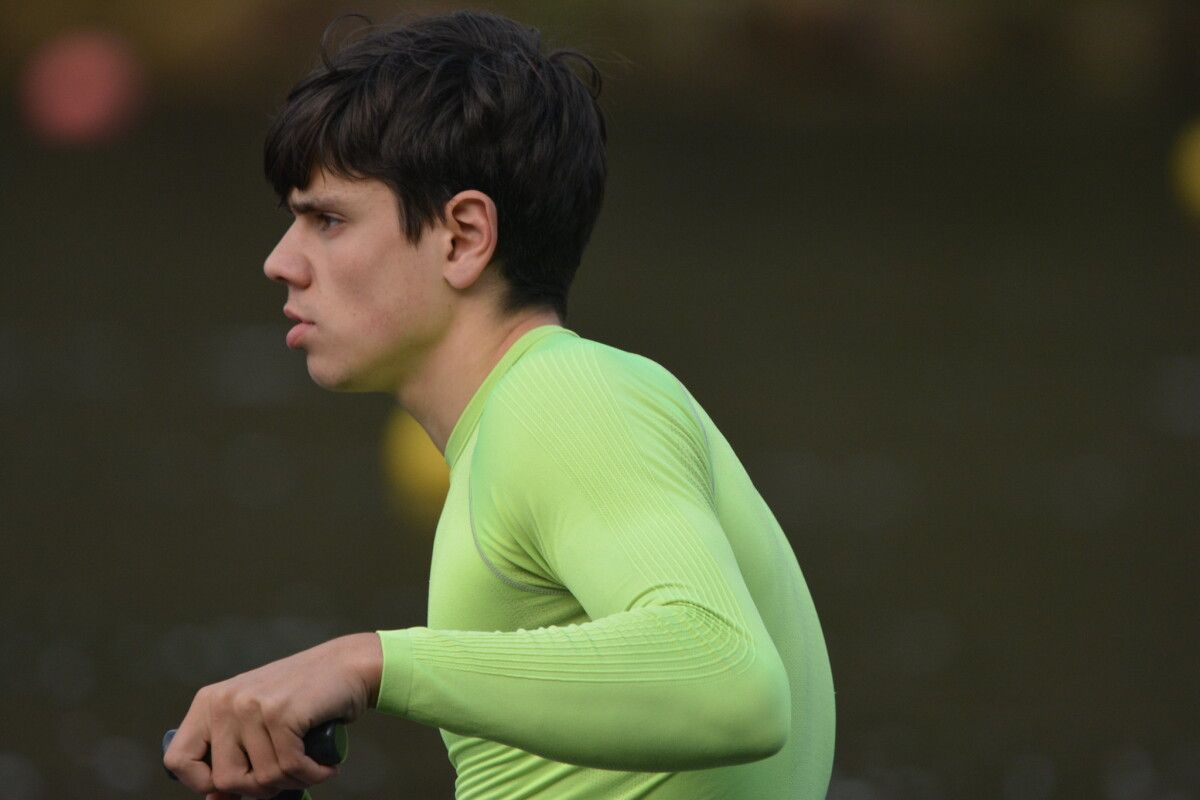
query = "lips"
{"x": 296, "y": 334}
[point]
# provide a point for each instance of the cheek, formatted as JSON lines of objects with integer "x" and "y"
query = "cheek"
{"x": 395, "y": 302}
{"x": 369, "y": 288}
{"x": 391, "y": 290}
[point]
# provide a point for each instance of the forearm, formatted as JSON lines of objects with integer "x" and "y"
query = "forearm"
{"x": 660, "y": 688}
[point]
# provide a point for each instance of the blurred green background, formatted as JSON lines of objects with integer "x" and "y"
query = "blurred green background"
{"x": 933, "y": 268}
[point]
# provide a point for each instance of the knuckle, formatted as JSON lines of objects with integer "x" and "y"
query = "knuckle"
{"x": 269, "y": 776}
{"x": 245, "y": 705}
{"x": 206, "y": 694}
{"x": 218, "y": 699}
{"x": 271, "y": 710}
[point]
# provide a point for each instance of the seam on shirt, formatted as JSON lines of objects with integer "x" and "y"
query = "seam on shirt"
{"x": 514, "y": 583}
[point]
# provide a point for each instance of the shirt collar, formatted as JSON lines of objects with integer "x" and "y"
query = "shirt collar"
{"x": 470, "y": 417}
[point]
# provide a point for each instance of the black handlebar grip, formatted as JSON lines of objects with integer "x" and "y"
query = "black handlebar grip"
{"x": 325, "y": 744}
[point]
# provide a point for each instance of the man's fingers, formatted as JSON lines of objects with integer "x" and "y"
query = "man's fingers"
{"x": 289, "y": 748}
{"x": 264, "y": 763}
{"x": 185, "y": 759}
{"x": 231, "y": 771}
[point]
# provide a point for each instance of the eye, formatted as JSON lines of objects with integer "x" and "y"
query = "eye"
{"x": 326, "y": 222}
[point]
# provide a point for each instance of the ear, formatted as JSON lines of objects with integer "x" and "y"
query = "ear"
{"x": 470, "y": 218}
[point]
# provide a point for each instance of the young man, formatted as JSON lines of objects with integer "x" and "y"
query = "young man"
{"x": 613, "y": 610}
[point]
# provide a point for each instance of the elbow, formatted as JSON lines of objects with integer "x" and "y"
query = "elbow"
{"x": 757, "y": 714}
{"x": 770, "y": 706}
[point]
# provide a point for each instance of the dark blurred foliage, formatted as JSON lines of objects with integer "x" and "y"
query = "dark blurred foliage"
{"x": 925, "y": 264}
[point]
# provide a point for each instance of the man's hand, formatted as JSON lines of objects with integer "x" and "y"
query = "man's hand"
{"x": 251, "y": 725}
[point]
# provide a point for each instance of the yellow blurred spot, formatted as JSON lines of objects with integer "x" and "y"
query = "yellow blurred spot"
{"x": 417, "y": 475}
{"x": 1185, "y": 168}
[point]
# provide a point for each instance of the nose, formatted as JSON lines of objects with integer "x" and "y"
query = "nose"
{"x": 287, "y": 263}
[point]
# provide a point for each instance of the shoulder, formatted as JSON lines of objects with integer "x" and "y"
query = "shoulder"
{"x": 581, "y": 406}
{"x": 576, "y": 377}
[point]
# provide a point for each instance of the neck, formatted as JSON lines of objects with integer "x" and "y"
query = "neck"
{"x": 438, "y": 392}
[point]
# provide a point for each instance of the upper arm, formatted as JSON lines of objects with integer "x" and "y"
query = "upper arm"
{"x": 597, "y": 477}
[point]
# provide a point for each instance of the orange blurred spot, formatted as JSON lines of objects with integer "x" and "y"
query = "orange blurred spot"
{"x": 82, "y": 87}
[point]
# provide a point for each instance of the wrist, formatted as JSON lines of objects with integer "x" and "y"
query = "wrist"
{"x": 363, "y": 654}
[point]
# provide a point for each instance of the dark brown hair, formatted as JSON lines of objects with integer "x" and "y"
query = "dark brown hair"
{"x": 440, "y": 104}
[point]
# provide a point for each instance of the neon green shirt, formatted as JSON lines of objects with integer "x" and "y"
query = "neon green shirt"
{"x": 613, "y": 610}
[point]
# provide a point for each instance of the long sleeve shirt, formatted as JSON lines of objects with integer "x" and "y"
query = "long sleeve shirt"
{"x": 614, "y": 612}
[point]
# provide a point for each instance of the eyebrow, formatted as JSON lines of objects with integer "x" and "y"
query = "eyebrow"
{"x": 307, "y": 205}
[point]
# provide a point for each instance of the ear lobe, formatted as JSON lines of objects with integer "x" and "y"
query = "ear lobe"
{"x": 472, "y": 221}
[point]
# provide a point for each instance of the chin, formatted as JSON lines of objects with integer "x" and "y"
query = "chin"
{"x": 339, "y": 380}
{"x": 326, "y": 378}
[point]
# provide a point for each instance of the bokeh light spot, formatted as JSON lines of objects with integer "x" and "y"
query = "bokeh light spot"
{"x": 1185, "y": 168}
{"x": 416, "y": 474}
{"x": 81, "y": 87}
